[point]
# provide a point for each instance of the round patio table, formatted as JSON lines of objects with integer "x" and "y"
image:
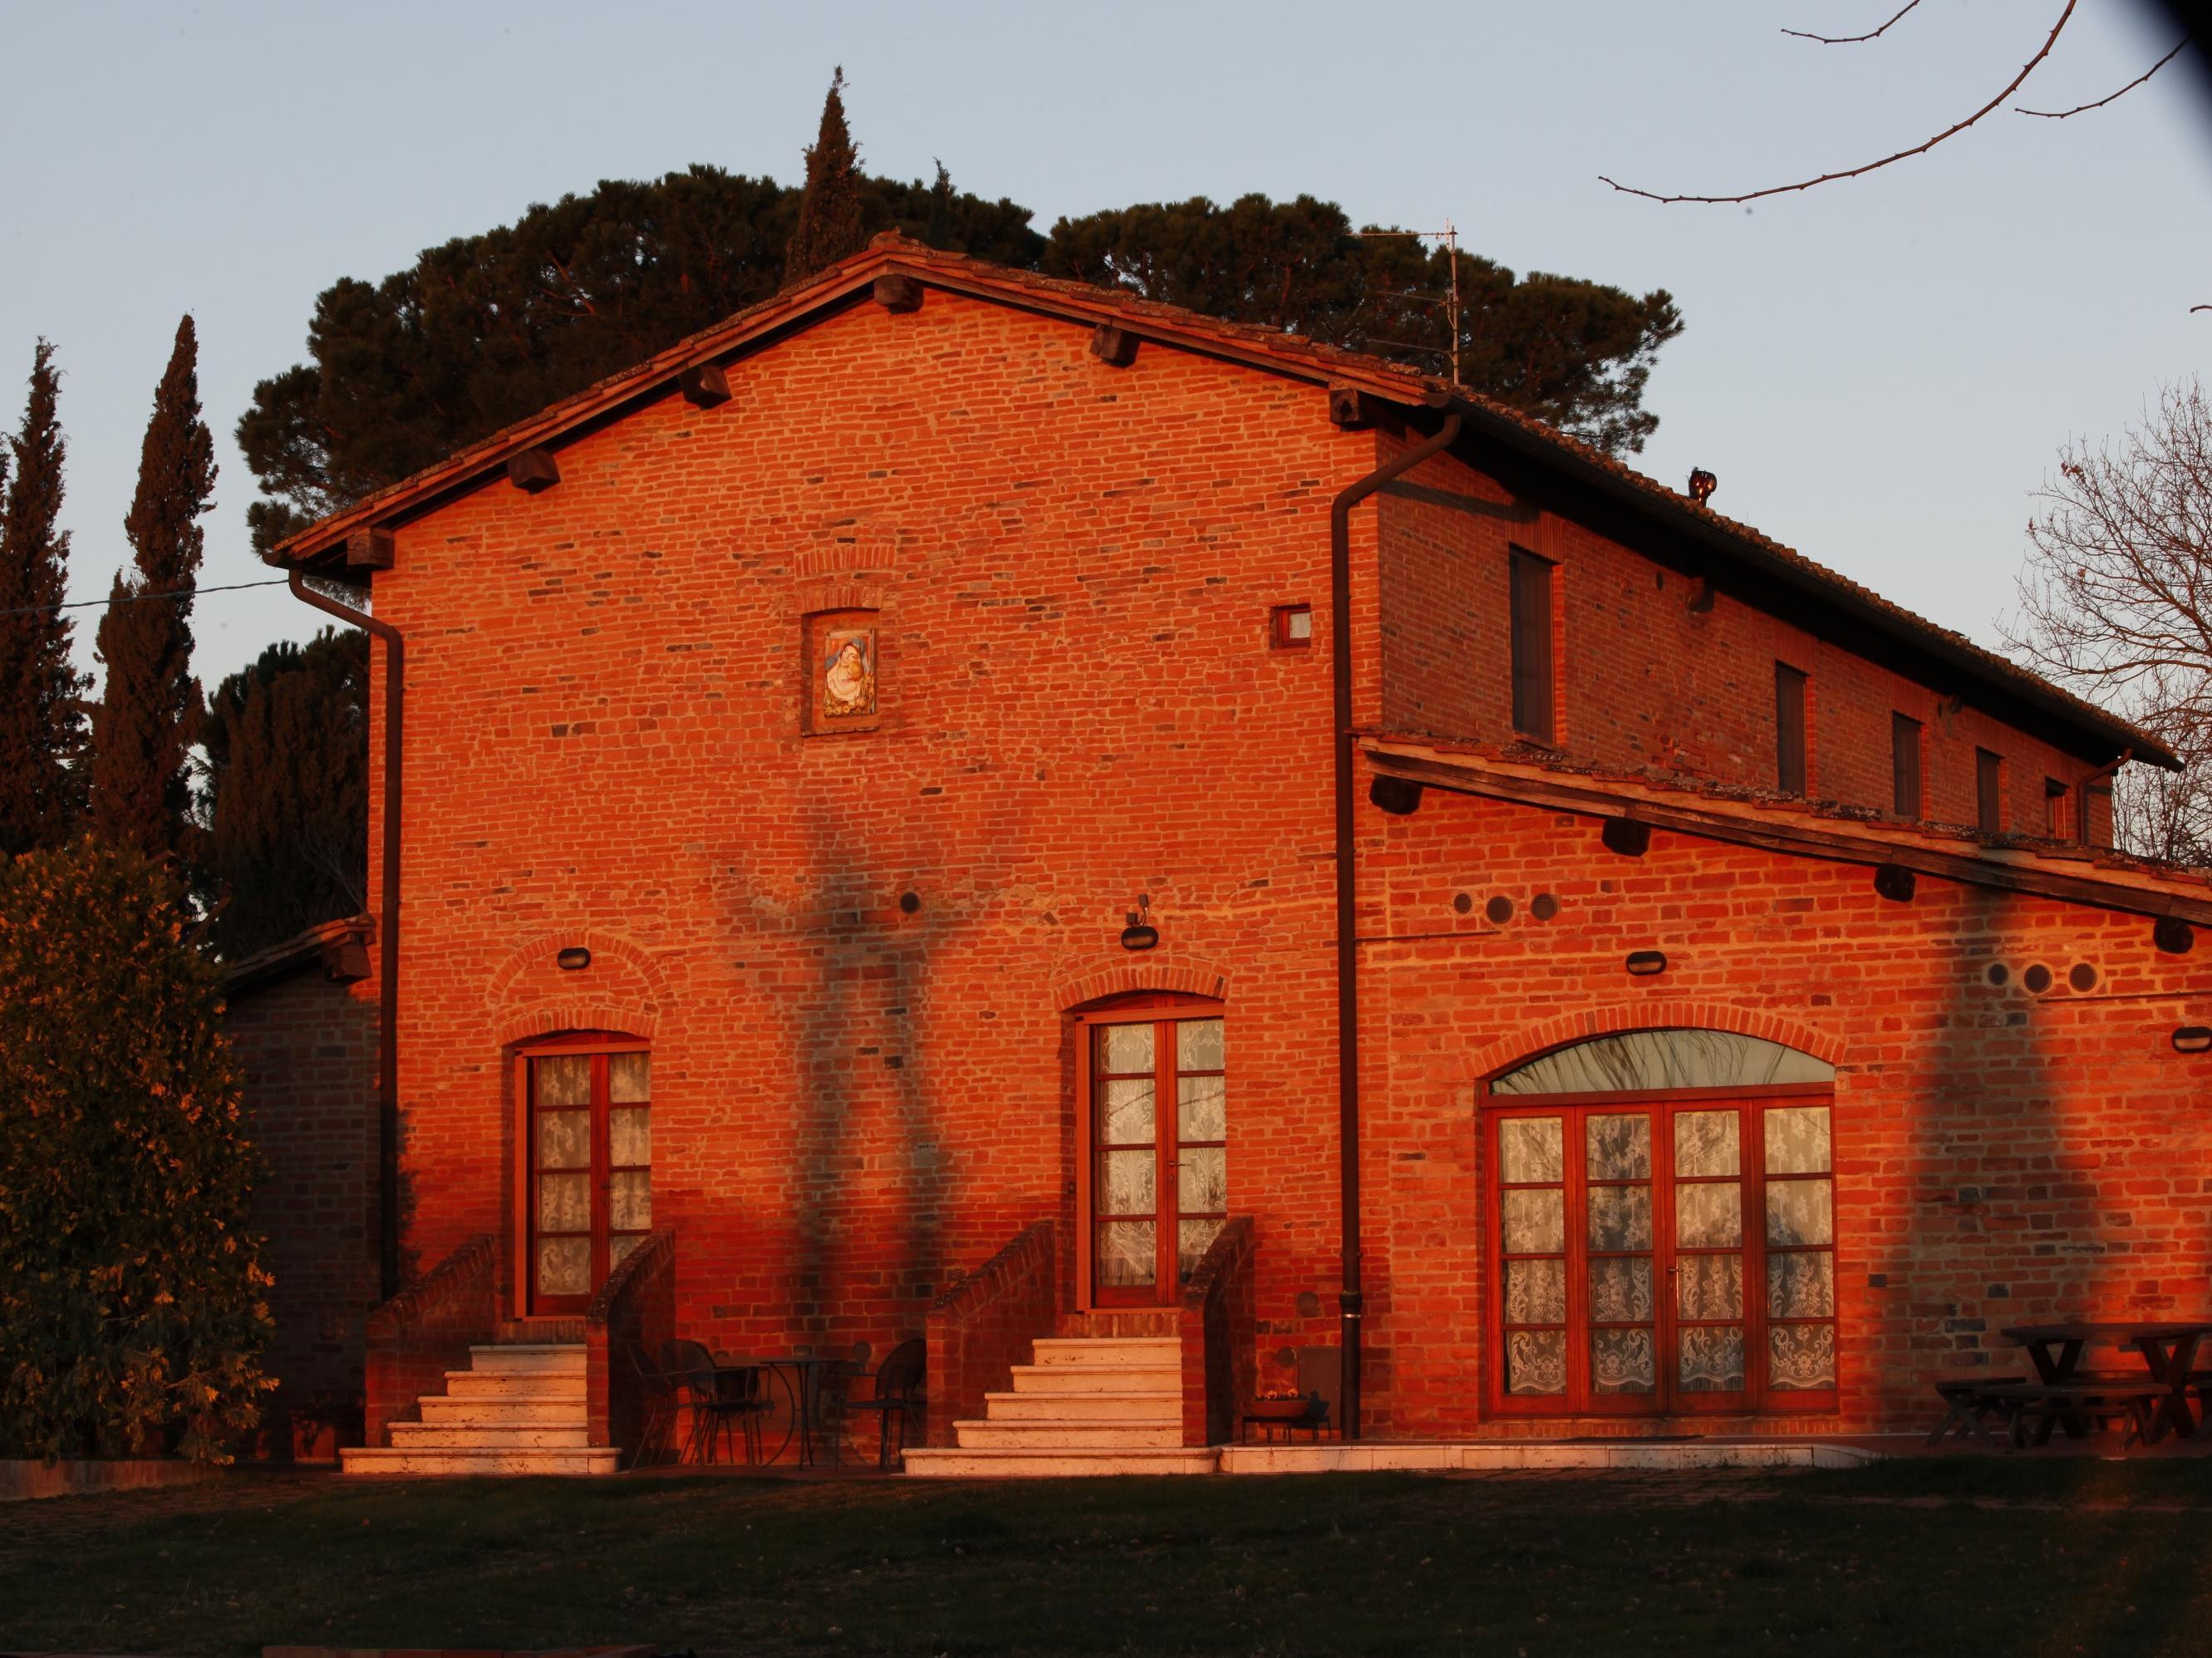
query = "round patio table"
{"x": 799, "y": 1375}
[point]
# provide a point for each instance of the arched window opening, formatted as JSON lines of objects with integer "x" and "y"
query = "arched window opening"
{"x": 1661, "y": 1216}
{"x": 1634, "y": 1060}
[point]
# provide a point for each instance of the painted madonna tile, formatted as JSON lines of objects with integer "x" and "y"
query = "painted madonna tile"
{"x": 846, "y": 663}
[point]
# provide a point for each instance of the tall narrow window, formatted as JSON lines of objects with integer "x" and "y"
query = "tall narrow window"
{"x": 1904, "y": 765}
{"x": 1532, "y": 647}
{"x": 1988, "y": 791}
{"x": 2056, "y": 820}
{"x": 588, "y": 1157}
{"x": 1789, "y": 729}
{"x": 1158, "y": 1180}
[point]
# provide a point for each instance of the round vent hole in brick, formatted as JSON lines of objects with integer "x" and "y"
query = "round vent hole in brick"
{"x": 2036, "y": 979}
{"x": 1499, "y": 910}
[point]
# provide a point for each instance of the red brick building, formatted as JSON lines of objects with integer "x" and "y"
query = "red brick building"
{"x": 869, "y": 808}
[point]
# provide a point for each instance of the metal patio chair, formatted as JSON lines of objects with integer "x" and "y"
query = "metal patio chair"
{"x": 898, "y": 1397}
{"x": 662, "y": 1407}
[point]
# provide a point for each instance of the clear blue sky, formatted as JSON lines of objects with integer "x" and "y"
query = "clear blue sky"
{"x": 1880, "y": 371}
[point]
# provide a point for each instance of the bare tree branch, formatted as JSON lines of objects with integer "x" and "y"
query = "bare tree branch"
{"x": 1951, "y": 131}
{"x": 2116, "y": 600}
{"x": 2083, "y": 109}
{"x": 1848, "y": 39}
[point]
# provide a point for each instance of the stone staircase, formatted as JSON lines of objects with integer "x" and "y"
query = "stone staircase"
{"x": 1088, "y": 1405}
{"x": 517, "y": 1409}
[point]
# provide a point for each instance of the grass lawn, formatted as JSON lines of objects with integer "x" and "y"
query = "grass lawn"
{"x": 2019, "y": 1557}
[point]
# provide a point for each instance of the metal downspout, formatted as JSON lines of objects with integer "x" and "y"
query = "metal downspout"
{"x": 1351, "y": 1303}
{"x": 387, "y": 933}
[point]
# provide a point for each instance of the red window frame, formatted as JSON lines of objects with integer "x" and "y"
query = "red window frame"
{"x": 598, "y": 1048}
{"x": 1167, "y": 1010}
{"x": 1666, "y": 1398}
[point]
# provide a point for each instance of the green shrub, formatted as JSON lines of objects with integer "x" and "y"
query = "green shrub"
{"x": 132, "y": 1309}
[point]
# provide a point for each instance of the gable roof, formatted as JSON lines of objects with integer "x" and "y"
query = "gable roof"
{"x": 1271, "y": 350}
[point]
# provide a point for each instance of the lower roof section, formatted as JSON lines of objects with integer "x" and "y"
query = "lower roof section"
{"x": 2078, "y": 874}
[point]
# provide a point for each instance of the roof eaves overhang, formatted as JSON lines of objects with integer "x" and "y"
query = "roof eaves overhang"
{"x": 2081, "y": 876}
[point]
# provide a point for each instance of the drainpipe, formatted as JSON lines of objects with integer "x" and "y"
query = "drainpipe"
{"x": 1351, "y": 1303}
{"x": 388, "y": 934}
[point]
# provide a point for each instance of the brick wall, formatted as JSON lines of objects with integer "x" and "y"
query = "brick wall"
{"x": 853, "y": 1102}
{"x": 1645, "y": 679}
{"x": 2001, "y": 1157}
{"x": 1070, "y": 568}
{"x": 309, "y": 1047}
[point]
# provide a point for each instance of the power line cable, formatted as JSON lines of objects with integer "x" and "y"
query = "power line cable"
{"x": 141, "y": 598}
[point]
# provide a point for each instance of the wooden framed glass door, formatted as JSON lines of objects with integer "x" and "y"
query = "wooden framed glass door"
{"x": 1657, "y": 1255}
{"x": 1154, "y": 1185}
{"x": 587, "y": 1170}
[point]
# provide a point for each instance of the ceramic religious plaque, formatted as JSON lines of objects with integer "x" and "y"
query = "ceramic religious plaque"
{"x": 841, "y": 662}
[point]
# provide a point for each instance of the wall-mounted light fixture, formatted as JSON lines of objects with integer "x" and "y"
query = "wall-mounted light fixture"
{"x": 1626, "y": 836}
{"x": 1895, "y": 883}
{"x": 2173, "y": 935}
{"x": 1140, "y": 934}
{"x": 1646, "y": 964}
{"x": 573, "y": 959}
{"x": 1395, "y": 796}
{"x": 2192, "y": 1039}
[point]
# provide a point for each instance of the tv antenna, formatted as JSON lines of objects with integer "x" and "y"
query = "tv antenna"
{"x": 1449, "y": 237}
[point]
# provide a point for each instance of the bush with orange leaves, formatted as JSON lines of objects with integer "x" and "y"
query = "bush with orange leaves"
{"x": 132, "y": 1308}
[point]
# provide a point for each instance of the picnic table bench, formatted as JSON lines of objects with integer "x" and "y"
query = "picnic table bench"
{"x": 2150, "y": 1402}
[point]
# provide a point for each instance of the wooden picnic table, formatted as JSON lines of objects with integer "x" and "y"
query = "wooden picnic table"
{"x": 2168, "y": 1350}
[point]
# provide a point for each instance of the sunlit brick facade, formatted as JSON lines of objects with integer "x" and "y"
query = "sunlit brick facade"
{"x": 857, "y": 951}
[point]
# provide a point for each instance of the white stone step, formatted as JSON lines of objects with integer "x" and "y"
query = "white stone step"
{"x": 1144, "y": 1351}
{"x": 563, "y": 1412}
{"x": 474, "y": 1436}
{"x": 513, "y": 1384}
{"x": 1092, "y": 1407}
{"x": 1067, "y": 1435}
{"x": 451, "y": 1462}
{"x": 1023, "y": 1463}
{"x": 562, "y": 1360}
{"x": 1163, "y": 1380}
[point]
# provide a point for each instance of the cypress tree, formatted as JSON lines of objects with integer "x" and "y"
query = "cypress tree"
{"x": 829, "y": 212}
{"x": 149, "y": 715}
{"x": 40, "y": 716}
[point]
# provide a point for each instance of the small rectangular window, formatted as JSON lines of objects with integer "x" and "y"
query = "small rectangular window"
{"x": 2057, "y": 819}
{"x": 1904, "y": 765}
{"x": 1988, "y": 791}
{"x": 1532, "y": 646}
{"x": 1789, "y": 729}
{"x": 1293, "y": 628}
